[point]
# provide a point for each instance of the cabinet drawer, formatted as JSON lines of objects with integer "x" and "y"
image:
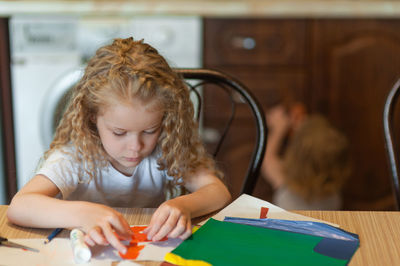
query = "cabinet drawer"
{"x": 256, "y": 42}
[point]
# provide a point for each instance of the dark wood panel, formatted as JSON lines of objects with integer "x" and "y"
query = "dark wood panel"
{"x": 271, "y": 85}
{"x": 236, "y": 153}
{"x": 6, "y": 111}
{"x": 355, "y": 63}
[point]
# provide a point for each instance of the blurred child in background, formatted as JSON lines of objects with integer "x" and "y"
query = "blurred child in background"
{"x": 306, "y": 160}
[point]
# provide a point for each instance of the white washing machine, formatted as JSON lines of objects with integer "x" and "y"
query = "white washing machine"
{"x": 48, "y": 55}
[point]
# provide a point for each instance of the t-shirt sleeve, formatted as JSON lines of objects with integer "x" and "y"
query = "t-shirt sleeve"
{"x": 62, "y": 171}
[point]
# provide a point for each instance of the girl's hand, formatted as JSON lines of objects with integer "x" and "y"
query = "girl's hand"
{"x": 171, "y": 219}
{"x": 104, "y": 225}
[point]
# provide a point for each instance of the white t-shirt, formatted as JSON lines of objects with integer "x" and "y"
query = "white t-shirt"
{"x": 145, "y": 188}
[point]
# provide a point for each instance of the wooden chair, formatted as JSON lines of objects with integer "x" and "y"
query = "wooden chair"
{"x": 206, "y": 82}
{"x": 391, "y": 143}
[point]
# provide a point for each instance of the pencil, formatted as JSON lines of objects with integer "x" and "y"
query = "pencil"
{"x": 53, "y": 235}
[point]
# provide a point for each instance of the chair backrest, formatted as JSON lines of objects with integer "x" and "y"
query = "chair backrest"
{"x": 391, "y": 144}
{"x": 204, "y": 83}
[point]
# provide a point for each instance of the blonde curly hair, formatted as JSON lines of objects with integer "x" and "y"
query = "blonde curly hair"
{"x": 119, "y": 72}
{"x": 316, "y": 162}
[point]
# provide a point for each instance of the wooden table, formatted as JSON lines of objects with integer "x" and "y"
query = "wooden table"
{"x": 379, "y": 232}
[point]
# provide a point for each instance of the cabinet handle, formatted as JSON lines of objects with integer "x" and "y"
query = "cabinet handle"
{"x": 241, "y": 42}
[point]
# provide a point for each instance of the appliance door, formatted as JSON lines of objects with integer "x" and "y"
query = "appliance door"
{"x": 54, "y": 106}
{"x": 32, "y": 79}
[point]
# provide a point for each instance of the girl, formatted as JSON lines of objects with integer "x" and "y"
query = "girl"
{"x": 126, "y": 139}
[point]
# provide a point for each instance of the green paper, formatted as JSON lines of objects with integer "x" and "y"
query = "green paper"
{"x": 224, "y": 243}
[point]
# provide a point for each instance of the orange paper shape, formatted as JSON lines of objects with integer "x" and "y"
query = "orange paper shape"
{"x": 132, "y": 252}
{"x": 138, "y": 234}
{"x": 133, "y": 247}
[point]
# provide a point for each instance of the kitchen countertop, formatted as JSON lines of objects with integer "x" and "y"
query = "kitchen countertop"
{"x": 215, "y": 8}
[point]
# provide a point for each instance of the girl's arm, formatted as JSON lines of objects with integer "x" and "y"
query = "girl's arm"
{"x": 173, "y": 217}
{"x": 35, "y": 205}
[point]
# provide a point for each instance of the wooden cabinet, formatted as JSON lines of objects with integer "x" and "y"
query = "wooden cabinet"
{"x": 355, "y": 63}
{"x": 342, "y": 68}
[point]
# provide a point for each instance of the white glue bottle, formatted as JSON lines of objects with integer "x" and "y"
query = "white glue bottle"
{"x": 80, "y": 250}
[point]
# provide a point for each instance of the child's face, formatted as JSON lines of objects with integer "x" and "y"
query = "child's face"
{"x": 129, "y": 133}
